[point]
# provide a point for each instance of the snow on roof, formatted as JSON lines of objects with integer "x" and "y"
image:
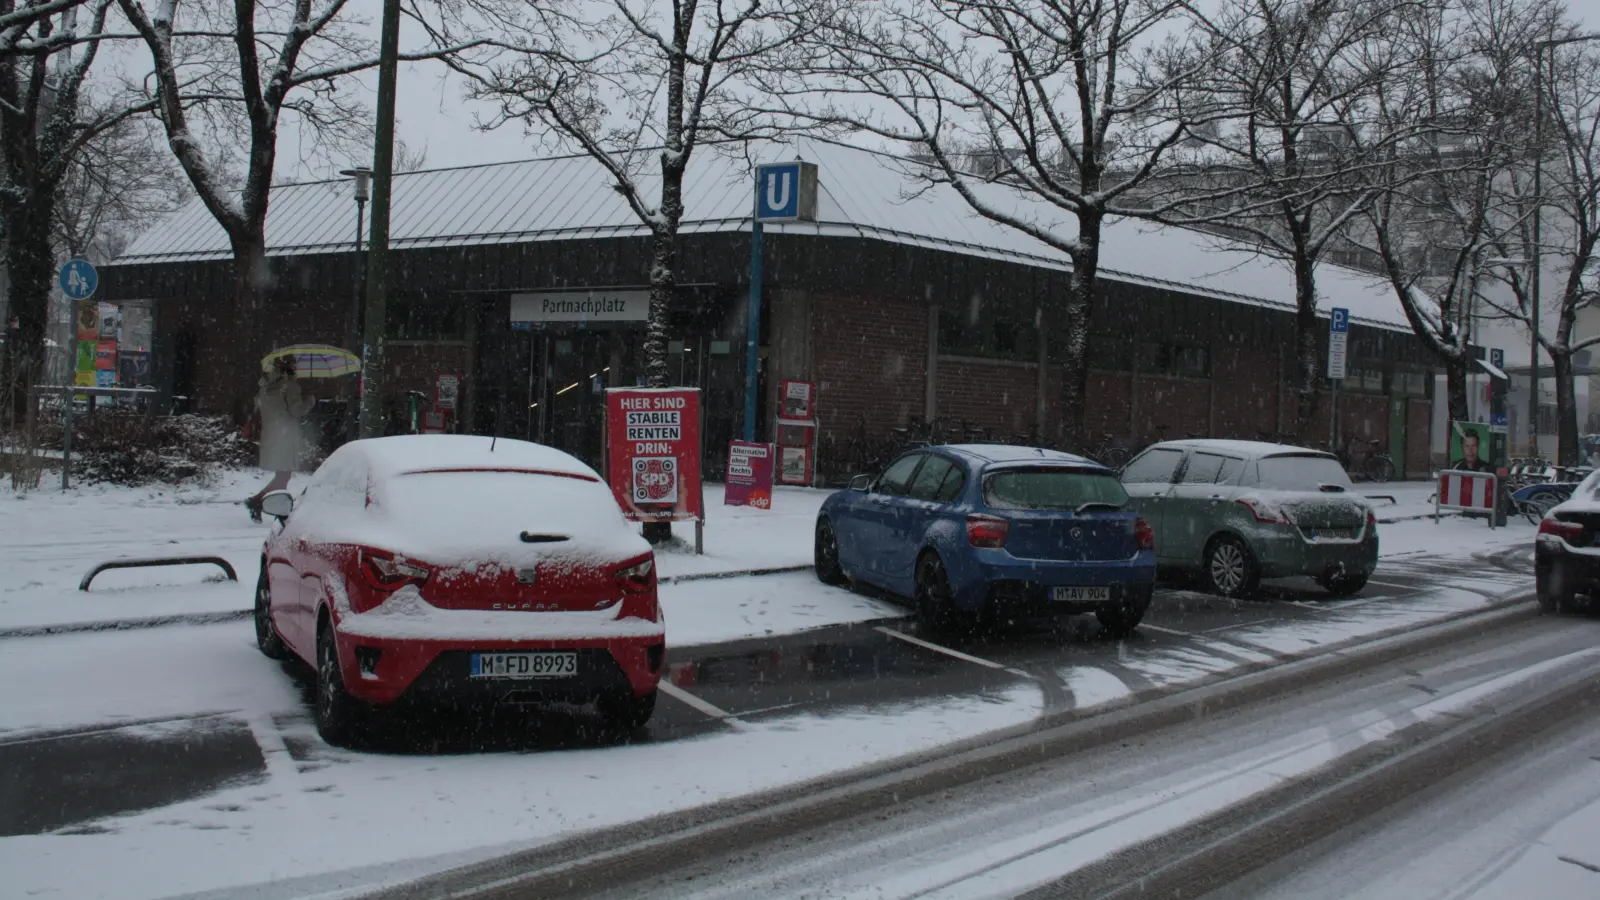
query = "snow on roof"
{"x": 390, "y": 456}
{"x": 863, "y": 193}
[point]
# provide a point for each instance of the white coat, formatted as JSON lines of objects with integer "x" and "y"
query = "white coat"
{"x": 281, "y": 408}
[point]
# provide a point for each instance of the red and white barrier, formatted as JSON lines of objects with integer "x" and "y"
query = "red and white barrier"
{"x": 1466, "y": 492}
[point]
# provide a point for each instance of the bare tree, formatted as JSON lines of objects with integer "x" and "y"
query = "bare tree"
{"x": 1072, "y": 102}
{"x": 652, "y": 83}
{"x": 290, "y": 58}
{"x": 120, "y": 182}
{"x": 48, "y": 113}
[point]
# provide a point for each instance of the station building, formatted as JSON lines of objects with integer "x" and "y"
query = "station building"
{"x": 528, "y": 282}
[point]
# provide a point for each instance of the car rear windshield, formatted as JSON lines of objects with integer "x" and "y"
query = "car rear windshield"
{"x": 1300, "y": 472}
{"x": 1037, "y": 488}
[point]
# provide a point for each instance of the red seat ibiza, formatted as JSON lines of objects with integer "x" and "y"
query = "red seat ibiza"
{"x": 458, "y": 568}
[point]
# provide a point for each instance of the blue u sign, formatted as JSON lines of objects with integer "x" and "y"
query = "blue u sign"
{"x": 78, "y": 279}
{"x": 778, "y": 192}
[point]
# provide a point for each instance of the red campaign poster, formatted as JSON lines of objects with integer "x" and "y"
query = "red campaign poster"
{"x": 749, "y": 475}
{"x": 105, "y": 355}
{"x": 653, "y": 452}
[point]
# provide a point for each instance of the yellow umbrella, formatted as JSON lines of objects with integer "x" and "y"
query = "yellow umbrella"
{"x": 315, "y": 360}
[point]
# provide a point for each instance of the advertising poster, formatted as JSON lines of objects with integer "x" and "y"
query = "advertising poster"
{"x": 86, "y": 355}
{"x": 84, "y": 379}
{"x": 105, "y": 378}
{"x": 110, "y": 321}
{"x": 1470, "y": 446}
{"x": 105, "y": 356}
{"x": 133, "y": 367}
{"x": 795, "y": 468}
{"x": 446, "y": 389}
{"x": 88, "y": 328}
{"x": 795, "y": 399}
{"x": 749, "y": 475}
{"x": 653, "y": 452}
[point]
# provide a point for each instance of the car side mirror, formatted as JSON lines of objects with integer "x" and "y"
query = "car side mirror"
{"x": 278, "y": 504}
{"x": 861, "y": 483}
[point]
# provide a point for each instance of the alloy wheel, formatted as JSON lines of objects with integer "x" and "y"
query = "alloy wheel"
{"x": 1227, "y": 567}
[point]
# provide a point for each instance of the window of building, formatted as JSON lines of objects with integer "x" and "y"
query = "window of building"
{"x": 1363, "y": 375}
{"x": 421, "y": 318}
{"x": 1173, "y": 358}
{"x": 994, "y": 327}
{"x": 1410, "y": 383}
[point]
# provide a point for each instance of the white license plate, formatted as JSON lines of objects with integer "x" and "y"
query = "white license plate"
{"x": 1081, "y": 594}
{"x": 524, "y": 665}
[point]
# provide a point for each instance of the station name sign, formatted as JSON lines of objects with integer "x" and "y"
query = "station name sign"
{"x": 581, "y": 306}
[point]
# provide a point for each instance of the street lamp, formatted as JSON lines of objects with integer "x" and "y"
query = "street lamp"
{"x": 363, "y": 189}
{"x": 1540, "y": 49}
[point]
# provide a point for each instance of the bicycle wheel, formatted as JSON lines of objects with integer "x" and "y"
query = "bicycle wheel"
{"x": 1381, "y": 468}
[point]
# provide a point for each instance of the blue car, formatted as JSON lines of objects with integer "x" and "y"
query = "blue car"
{"x": 992, "y": 531}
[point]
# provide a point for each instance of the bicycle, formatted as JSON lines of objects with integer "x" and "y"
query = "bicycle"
{"x": 1112, "y": 452}
{"x": 1362, "y": 458}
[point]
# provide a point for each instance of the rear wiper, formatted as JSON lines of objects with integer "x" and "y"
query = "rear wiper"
{"x": 1331, "y": 488}
{"x": 1096, "y": 504}
{"x": 529, "y": 537}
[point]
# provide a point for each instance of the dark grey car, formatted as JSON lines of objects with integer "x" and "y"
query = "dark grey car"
{"x": 1236, "y": 512}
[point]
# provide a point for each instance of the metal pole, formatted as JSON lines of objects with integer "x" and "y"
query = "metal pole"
{"x": 752, "y": 350}
{"x": 378, "y": 264}
{"x": 1538, "y": 252}
{"x": 66, "y": 439}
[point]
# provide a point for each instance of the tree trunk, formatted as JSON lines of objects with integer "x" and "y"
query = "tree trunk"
{"x": 1566, "y": 409}
{"x": 30, "y": 264}
{"x": 234, "y": 368}
{"x": 1455, "y": 377}
{"x": 1308, "y": 349}
{"x": 1075, "y": 346}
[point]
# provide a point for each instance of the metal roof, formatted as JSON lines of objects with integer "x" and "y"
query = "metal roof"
{"x": 862, "y": 193}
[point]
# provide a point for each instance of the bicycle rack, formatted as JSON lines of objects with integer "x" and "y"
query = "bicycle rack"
{"x": 227, "y": 568}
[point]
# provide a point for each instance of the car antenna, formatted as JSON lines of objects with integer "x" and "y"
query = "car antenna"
{"x": 492, "y": 441}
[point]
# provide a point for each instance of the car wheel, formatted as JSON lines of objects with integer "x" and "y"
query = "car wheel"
{"x": 626, "y": 714}
{"x": 1231, "y": 569}
{"x": 337, "y": 712}
{"x": 1121, "y": 618}
{"x": 825, "y": 554}
{"x": 1344, "y": 585}
{"x": 1554, "y": 591}
{"x": 936, "y": 612}
{"x": 267, "y": 639}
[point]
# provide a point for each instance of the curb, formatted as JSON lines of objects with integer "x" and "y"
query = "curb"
{"x": 735, "y": 573}
{"x": 211, "y": 618}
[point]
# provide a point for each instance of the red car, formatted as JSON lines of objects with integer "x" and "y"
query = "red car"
{"x": 455, "y": 568}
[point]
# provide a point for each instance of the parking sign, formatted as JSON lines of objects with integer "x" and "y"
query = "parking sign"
{"x": 1338, "y": 337}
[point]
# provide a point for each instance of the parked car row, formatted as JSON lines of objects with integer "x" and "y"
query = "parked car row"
{"x": 1011, "y": 532}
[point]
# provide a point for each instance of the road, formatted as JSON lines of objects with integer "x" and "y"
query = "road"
{"x": 1179, "y": 810}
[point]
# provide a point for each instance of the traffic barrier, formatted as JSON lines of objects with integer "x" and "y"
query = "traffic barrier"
{"x": 227, "y": 569}
{"x": 1464, "y": 491}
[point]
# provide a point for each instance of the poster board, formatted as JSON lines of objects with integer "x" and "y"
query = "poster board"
{"x": 653, "y": 452}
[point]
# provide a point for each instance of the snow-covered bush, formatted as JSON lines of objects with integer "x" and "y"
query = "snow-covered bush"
{"x": 130, "y": 448}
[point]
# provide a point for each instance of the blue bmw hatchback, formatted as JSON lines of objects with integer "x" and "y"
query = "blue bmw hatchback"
{"x": 992, "y": 531}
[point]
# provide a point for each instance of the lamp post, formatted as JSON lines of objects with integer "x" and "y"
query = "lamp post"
{"x": 1541, "y": 48}
{"x": 362, "y": 177}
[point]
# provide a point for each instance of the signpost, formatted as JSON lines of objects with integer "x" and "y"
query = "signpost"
{"x": 749, "y": 481}
{"x": 785, "y": 192}
{"x": 653, "y": 454}
{"x": 1338, "y": 339}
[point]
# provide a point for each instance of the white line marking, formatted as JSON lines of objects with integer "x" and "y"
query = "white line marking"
{"x": 1239, "y": 625}
{"x": 1158, "y": 628}
{"x": 1305, "y": 605}
{"x": 966, "y": 657}
{"x": 688, "y": 699}
{"x": 1403, "y": 587}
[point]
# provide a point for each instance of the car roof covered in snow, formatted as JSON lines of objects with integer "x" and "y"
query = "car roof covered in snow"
{"x": 1241, "y": 448}
{"x": 1011, "y": 453}
{"x": 402, "y": 454}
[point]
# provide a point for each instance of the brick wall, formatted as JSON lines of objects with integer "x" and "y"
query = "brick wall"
{"x": 993, "y": 395}
{"x": 1419, "y": 432}
{"x": 1107, "y": 412}
{"x": 1171, "y": 408}
{"x": 869, "y": 360}
{"x": 1247, "y": 393}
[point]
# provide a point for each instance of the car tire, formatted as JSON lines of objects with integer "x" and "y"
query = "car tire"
{"x": 936, "y": 612}
{"x": 1344, "y": 585}
{"x": 1555, "y": 593}
{"x": 338, "y": 714}
{"x": 1120, "y": 619}
{"x": 626, "y": 714}
{"x": 1230, "y": 568}
{"x": 825, "y": 553}
{"x": 267, "y": 639}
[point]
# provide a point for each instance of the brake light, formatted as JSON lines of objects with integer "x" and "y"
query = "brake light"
{"x": 637, "y": 577}
{"x": 987, "y": 531}
{"x": 1143, "y": 534}
{"x": 388, "y": 572}
{"x": 1563, "y": 530}
{"x": 1263, "y": 511}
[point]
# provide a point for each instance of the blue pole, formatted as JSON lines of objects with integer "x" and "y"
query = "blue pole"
{"x": 752, "y": 350}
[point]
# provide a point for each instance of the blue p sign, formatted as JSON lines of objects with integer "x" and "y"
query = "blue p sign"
{"x": 78, "y": 279}
{"x": 1497, "y": 358}
{"x": 1339, "y": 320}
{"x": 778, "y": 192}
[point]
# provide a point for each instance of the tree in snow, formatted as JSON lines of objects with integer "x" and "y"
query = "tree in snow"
{"x": 49, "y": 112}
{"x": 119, "y": 183}
{"x": 1075, "y": 102}
{"x": 222, "y": 85}
{"x": 631, "y": 83}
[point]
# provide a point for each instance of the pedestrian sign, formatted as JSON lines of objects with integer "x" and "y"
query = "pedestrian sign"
{"x": 1338, "y": 336}
{"x": 78, "y": 279}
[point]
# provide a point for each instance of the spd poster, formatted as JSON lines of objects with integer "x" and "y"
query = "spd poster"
{"x": 653, "y": 452}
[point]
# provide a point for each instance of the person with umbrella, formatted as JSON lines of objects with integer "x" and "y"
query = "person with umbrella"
{"x": 281, "y": 406}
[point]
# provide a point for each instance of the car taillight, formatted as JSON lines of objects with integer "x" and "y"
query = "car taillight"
{"x": 1560, "y": 529}
{"x": 987, "y": 531}
{"x": 1372, "y": 519}
{"x": 1263, "y": 511}
{"x": 1143, "y": 534}
{"x": 388, "y": 572}
{"x": 637, "y": 577}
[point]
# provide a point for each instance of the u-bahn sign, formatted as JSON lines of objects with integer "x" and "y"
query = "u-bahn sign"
{"x": 653, "y": 452}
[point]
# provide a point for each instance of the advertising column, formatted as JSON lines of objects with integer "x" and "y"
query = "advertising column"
{"x": 653, "y": 453}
